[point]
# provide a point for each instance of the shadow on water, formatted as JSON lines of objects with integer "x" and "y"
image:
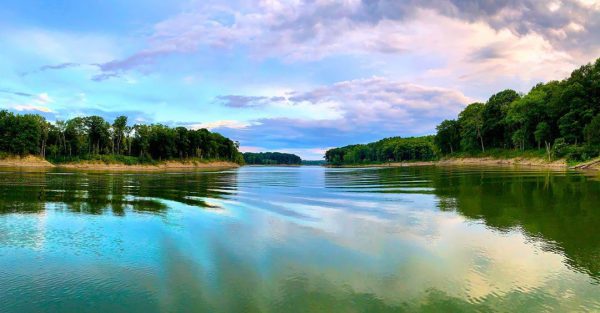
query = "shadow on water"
{"x": 98, "y": 193}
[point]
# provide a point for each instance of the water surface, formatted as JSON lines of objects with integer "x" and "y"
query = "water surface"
{"x": 306, "y": 239}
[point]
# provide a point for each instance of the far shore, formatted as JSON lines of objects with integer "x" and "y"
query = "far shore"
{"x": 37, "y": 162}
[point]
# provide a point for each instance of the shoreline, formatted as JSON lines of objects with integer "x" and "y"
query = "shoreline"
{"x": 163, "y": 166}
{"x": 36, "y": 162}
{"x": 488, "y": 161}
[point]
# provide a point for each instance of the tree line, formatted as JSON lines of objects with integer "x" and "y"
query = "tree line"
{"x": 561, "y": 118}
{"x": 394, "y": 149}
{"x": 271, "y": 158}
{"x": 87, "y": 137}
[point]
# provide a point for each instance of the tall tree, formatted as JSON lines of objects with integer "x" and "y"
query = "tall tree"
{"x": 448, "y": 136}
{"x": 119, "y": 126}
{"x": 494, "y": 112}
{"x": 471, "y": 124}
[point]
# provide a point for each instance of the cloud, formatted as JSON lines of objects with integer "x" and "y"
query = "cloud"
{"x": 561, "y": 35}
{"x": 36, "y": 104}
{"x": 228, "y": 124}
{"x": 305, "y": 31}
{"x": 53, "y": 67}
{"x": 16, "y": 93}
{"x": 31, "y": 108}
{"x": 236, "y": 101}
{"x": 367, "y": 110}
{"x": 43, "y": 98}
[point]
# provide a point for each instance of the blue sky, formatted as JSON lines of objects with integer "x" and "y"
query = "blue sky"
{"x": 296, "y": 76}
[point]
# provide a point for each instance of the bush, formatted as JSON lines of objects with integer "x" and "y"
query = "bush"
{"x": 560, "y": 147}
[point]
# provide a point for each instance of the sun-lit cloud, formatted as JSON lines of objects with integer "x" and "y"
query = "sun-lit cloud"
{"x": 31, "y": 108}
{"x": 231, "y": 124}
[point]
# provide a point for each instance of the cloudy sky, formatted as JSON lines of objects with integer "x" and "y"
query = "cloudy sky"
{"x": 295, "y": 76}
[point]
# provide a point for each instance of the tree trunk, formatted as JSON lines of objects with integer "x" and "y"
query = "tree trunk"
{"x": 481, "y": 140}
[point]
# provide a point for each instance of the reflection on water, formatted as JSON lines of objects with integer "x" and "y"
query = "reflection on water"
{"x": 306, "y": 239}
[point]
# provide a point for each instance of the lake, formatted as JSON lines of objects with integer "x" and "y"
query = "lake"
{"x": 300, "y": 239}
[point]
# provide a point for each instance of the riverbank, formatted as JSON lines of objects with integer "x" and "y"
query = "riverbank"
{"x": 27, "y": 161}
{"x": 489, "y": 161}
{"x": 162, "y": 166}
{"x": 519, "y": 161}
{"x": 38, "y": 162}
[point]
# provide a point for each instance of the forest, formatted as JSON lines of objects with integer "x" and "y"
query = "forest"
{"x": 560, "y": 119}
{"x": 92, "y": 137}
{"x": 393, "y": 149}
{"x": 271, "y": 158}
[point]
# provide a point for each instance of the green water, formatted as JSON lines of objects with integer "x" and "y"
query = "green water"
{"x": 305, "y": 239}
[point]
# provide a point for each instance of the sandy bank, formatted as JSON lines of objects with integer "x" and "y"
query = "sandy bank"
{"x": 164, "y": 166}
{"x": 518, "y": 162}
{"x": 393, "y": 164}
{"x": 28, "y": 161}
{"x": 528, "y": 162}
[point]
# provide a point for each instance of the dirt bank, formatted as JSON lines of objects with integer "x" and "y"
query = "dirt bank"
{"x": 524, "y": 162}
{"x": 393, "y": 164}
{"x": 28, "y": 161}
{"x": 164, "y": 166}
{"x": 529, "y": 162}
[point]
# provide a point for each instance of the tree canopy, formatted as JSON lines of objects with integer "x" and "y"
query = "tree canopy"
{"x": 83, "y": 137}
{"x": 565, "y": 112}
{"x": 393, "y": 149}
{"x": 562, "y": 117}
{"x": 271, "y": 158}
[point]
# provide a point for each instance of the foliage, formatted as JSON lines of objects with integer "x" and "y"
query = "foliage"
{"x": 447, "y": 138}
{"x": 561, "y": 116}
{"x": 271, "y": 158}
{"x": 93, "y": 138}
{"x": 592, "y": 131}
{"x": 393, "y": 149}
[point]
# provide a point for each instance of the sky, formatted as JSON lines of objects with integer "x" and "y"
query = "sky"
{"x": 297, "y": 76}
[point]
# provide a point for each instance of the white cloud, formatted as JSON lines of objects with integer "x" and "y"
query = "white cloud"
{"x": 222, "y": 124}
{"x": 529, "y": 47}
{"x": 43, "y": 98}
{"x": 34, "y": 108}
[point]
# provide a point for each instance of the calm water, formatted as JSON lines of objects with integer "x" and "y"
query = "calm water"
{"x": 303, "y": 239}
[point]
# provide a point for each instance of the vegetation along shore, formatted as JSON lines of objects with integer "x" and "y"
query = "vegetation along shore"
{"x": 94, "y": 143}
{"x": 556, "y": 124}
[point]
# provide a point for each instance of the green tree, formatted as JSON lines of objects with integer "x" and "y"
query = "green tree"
{"x": 544, "y": 134}
{"x": 494, "y": 117}
{"x": 98, "y": 134}
{"x": 592, "y": 131}
{"x": 471, "y": 125}
{"x": 118, "y": 127}
{"x": 448, "y": 136}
